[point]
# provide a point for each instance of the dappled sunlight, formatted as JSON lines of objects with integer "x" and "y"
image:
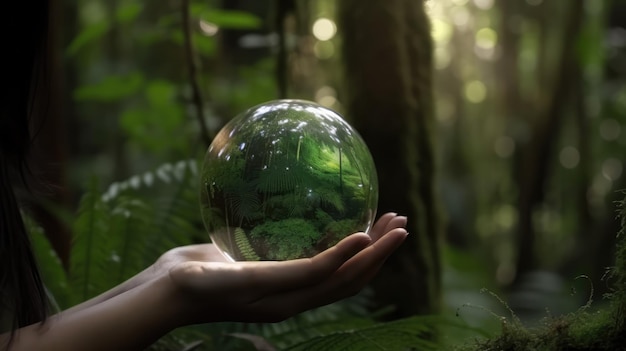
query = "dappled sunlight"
{"x": 324, "y": 29}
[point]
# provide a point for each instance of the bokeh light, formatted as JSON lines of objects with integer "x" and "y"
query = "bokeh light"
{"x": 441, "y": 31}
{"x": 610, "y": 129}
{"x": 475, "y": 91}
{"x": 326, "y": 96}
{"x": 324, "y": 29}
{"x": 569, "y": 157}
{"x": 486, "y": 38}
{"x": 324, "y": 50}
{"x": 483, "y": 4}
{"x": 612, "y": 169}
{"x": 504, "y": 146}
{"x": 442, "y": 58}
{"x": 207, "y": 28}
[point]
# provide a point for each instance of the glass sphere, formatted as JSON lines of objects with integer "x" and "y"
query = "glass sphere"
{"x": 286, "y": 179}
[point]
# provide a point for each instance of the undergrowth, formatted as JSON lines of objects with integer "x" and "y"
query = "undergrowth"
{"x": 583, "y": 330}
{"x": 121, "y": 231}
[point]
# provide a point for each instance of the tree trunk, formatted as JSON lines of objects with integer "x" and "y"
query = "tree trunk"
{"x": 534, "y": 157}
{"x": 387, "y": 57}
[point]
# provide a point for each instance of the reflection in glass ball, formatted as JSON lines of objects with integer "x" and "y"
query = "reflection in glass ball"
{"x": 286, "y": 179}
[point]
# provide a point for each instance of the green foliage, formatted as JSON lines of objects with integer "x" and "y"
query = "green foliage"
{"x": 340, "y": 228}
{"x": 287, "y": 239}
{"x": 618, "y": 274}
{"x": 247, "y": 251}
{"x": 230, "y": 19}
{"x": 282, "y": 175}
{"x": 117, "y": 234}
{"x": 127, "y": 12}
{"x": 91, "y": 251}
{"x": 153, "y": 119}
{"x": 583, "y": 330}
{"x": 88, "y": 35}
{"x": 407, "y": 334}
{"x": 111, "y": 88}
{"x": 50, "y": 266}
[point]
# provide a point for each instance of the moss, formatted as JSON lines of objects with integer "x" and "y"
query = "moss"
{"x": 604, "y": 330}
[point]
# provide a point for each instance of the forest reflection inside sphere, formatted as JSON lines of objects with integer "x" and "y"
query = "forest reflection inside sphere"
{"x": 284, "y": 180}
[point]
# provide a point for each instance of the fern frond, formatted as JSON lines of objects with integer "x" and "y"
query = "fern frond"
{"x": 130, "y": 231}
{"x": 90, "y": 250}
{"x": 245, "y": 248}
{"x": 408, "y": 334}
{"x": 281, "y": 176}
{"x": 50, "y": 266}
{"x": 331, "y": 198}
{"x": 347, "y": 314}
{"x": 244, "y": 202}
{"x": 167, "y": 173}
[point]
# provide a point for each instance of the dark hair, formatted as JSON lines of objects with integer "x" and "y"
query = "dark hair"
{"x": 24, "y": 33}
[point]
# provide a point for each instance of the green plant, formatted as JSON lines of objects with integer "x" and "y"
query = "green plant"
{"x": 246, "y": 249}
{"x": 120, "y": 231}
{"x": 286, "y": 239}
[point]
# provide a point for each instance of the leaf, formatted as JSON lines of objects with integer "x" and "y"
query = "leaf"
{"x": 90, "y": 249}
{"x": 259, "y": 342}
{"x": 130, "y": 231}
{"x": 151, "y": 123}
{"x": 247, "y": 251}
{"x": 128, "y": 12}
{"x": 230, "y": 19}
{"x": 111, "y": 88}
{"x": 51, "y": 269}
{"x": 406, "y": 334}
{"x": 160, "y": 92}
{"x": 204, "y": 45}
{"x": 86, "y": 36}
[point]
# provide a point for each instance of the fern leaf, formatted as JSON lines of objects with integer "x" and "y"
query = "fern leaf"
{"x": 244, "y": 202}
{"x": 51, "y": 268}
{"x": 130, "y": 230}
{"x": 246, "y": 249}
{"x": 90, "y": 249}
{"x": 282, "y": 176}
{"x": 181, "y": 171}
{"x": 408, "y": 334}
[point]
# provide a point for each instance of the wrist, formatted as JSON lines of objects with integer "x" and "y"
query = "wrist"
{"x": 172, "y": 305}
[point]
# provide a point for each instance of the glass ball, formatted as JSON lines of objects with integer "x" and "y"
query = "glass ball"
{"x": 286, "y": 179}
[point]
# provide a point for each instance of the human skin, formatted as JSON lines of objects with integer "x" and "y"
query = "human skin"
{"x": 196, "y": 284}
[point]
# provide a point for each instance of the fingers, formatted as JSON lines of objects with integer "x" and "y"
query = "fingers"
{"x": 289, "y": 275}
{"x": 385, "y": 223}
{"x": 378, "y": 229}
{"x": 348, "y": 280}
{"x": 396, "y": 222}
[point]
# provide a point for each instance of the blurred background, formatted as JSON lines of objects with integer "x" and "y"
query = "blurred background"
{"x": 529, "y": 100}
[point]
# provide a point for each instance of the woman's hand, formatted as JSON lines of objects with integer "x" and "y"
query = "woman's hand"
{"x": 195, "y": 284}
{"x": 207, "y": 288}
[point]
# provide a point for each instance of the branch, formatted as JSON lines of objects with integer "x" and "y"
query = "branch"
{"x": 283, "y": 8}
{"x": 192, "y": 65}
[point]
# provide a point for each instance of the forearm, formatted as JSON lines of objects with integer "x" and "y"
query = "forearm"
{"x": 144, "y": 276}
{"x": 131, "y": 320}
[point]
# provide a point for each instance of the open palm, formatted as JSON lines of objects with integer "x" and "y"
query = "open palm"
{"x": 211, "y": 288}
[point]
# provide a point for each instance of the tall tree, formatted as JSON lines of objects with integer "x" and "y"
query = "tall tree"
{"x": 387, "y": 53}
{"x": 533, "y": 159}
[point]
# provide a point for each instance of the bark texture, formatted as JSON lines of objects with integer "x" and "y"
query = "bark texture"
{"x": 387, "y": 53}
